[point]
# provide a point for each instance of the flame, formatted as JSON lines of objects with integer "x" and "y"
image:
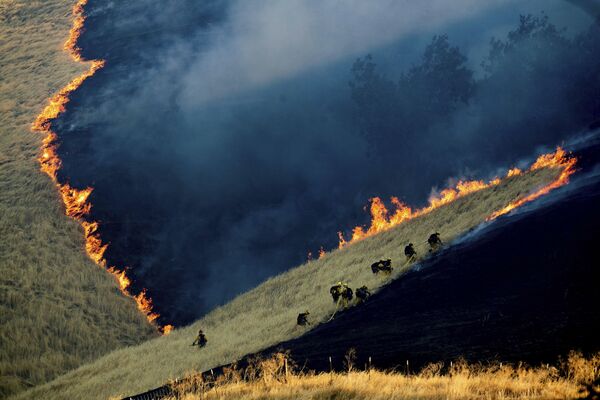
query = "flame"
{"x": 124, "y": 281}
{"x": 381, "y": 220}
{"x": 76, "y": 201}
{"x": 558, "y": 159}
{"x": 144, "y": 304}
{"x": 321, "y": 252}
{"x": 513, "y": 172}
{"x": 94, "y": 246}
{"x": 70, "y": 45}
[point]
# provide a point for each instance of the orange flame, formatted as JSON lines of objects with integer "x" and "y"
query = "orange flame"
{"x": 76, "y": 201}
{"x": 513, "y": 172}
{"x": 342, "y": 240}
{"x": 144, "y": 304}
{"x": 70, "y": 45}
{"x": 558, "y": 159}
{"x": 381, "y": 220}
{"x": 321, "y": 252}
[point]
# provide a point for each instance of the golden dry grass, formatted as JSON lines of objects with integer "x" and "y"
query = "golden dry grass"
{"x": 434, "y": 382}
{"x": 267, "y": 314}
{"x": 57, "y": 309}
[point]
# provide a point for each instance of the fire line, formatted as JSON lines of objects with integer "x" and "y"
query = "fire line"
{"x": 382, "y": 220}
{"x": 77, "y": 205}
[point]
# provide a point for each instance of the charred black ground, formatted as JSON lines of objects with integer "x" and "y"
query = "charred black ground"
{"x": 204, "y": 186}
{"x": 522, "y": 289}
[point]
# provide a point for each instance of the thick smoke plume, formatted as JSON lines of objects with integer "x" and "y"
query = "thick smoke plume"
{"x": 224, "y": 142}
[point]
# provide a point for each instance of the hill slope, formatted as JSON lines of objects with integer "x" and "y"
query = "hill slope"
{"x": 523, "y": 289}
{"x": 267, "y": 314}
{"x": 57, "y": 309}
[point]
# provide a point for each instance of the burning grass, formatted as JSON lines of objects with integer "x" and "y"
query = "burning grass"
{"x": 382, "y": 220}
{"x": 267, "y": 314}
{"x": 77, "y": 205}
{"x": 57, "y": 309}
{"x": 73, "y": 313}
{"x": 570, "y": 379}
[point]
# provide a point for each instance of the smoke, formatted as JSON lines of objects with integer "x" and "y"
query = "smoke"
{"x": 223, "y": 143}
{"x": 264, "y": 41}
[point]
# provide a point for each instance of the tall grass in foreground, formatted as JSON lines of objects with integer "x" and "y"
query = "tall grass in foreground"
{"x": 270, "y": 379}
{"x": 57, "y": 309}
{"x": 266, "y": 315}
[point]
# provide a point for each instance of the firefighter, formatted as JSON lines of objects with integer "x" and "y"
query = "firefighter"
{"x": 302, "y": 319}
{"x": 200, "y": 340}
{"x": 410, "y": 253}
{"x": 434, "y": 241}
{"x": 341, "y": 294}
{"x": 362, "y": 294}
{"x": 382, "y": 266}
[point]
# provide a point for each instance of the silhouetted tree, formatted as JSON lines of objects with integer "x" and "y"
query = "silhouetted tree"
{"x": 532, "y": 33}
{"x": 376, "y": 99}
{"x": 538, "y": 85}
{"x": 442, "y": 81}
{"x": 585, "y": 90}
{"x": 395, "y": 115}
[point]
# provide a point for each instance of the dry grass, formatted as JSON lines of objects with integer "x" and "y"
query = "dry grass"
{"x": 267, "y": 314}
{"x": 57, "y": 309}
{"x": 434, "y": 382}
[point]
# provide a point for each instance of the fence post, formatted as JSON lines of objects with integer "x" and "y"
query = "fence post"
{"x": 214, "y": 382}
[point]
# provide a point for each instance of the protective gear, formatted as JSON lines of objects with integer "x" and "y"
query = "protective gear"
{"x": 382, "y": 266}
{"x": 341, "y": 293}
{"x": 409, "y": 252}
{"x": 434, "y": 241}
{"x": 302, "y": 319}
{"x": 200, "y": 339}
{"x": 362, "y": 294}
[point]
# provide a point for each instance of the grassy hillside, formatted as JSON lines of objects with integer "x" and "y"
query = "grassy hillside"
{"x": 57, "y": 309}
{"x": 267, "y": 314}
{"x": 435, "y": 382}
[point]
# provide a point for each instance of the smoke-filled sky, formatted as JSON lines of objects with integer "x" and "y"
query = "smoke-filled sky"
{"x": 224, "y": 142}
